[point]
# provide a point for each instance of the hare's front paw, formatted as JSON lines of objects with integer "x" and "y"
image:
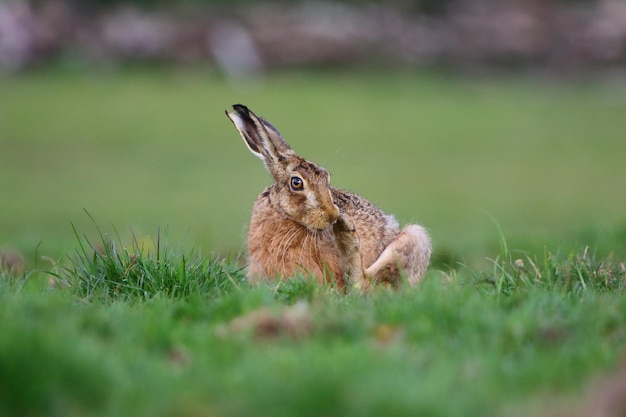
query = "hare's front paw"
{"x": 346, "y": 235}
{"x": 349, "y": 244}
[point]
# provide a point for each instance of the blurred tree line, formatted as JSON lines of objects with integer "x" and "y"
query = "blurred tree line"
{"x": 428, "y": 7}
{"x": 243, "y": 37}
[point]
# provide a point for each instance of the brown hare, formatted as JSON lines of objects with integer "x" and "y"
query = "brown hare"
{"x": 301, "y": 224}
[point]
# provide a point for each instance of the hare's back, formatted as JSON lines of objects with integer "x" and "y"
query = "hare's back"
{"x": 376, "y": 229}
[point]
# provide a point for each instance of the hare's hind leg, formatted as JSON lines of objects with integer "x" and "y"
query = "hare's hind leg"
{"x": 410, "y": 251}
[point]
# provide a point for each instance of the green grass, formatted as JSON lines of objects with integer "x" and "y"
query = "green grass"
{"x": 155, "y": 333}
{"x": 142, "y": 270}
{"x": 519, "y": 181}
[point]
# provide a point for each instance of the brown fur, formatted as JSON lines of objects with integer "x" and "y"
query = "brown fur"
{"x": 280, "y": 247}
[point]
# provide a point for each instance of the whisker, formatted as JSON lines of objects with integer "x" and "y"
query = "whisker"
{"x": 317, "y": 246}
{"x": 281, "y": 248}
{"x": 288, "y": 243}
{"x": 306, "y": 239}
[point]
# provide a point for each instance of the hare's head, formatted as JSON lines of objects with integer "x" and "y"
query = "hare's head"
{"x": 301, "y": 189}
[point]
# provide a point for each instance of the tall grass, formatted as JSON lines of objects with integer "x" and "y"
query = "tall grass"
{"x": 574, "y": 273}
{"x": 144, "y": 269}
{"x": 111, "y": 269}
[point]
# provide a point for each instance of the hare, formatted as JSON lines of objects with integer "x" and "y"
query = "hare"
{"x": 301, "y": 224}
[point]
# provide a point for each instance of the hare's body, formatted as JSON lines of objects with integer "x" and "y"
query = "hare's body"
{"x": 300, "y": 224}
{"x": 281, "y": 247}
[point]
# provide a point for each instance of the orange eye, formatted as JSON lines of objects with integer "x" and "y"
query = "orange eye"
{"x": 296, "y": 184}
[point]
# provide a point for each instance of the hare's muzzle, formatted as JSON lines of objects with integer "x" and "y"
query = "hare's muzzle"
{"x": 332, "y": 214}
{"x": 322, "y": 218}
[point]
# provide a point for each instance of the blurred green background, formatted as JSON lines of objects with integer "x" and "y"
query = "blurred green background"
{"x": 143, "y": 149}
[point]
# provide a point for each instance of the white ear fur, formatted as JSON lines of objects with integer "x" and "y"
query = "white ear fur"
{"x": 241, "y": 128}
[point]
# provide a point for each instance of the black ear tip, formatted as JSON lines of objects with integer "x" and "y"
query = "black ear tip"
{"x": 241, "y": 109}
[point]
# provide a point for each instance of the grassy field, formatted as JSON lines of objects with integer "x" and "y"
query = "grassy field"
{"x": 125, "y": 311}
{"x": 125, "y": 332}
{"x": 149, "y": 150}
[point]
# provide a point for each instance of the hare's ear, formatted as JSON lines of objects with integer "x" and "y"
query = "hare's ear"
{"x": 260, "y": 136}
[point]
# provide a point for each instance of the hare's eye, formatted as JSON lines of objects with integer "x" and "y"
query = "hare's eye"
{"x": 296, "y": 183}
